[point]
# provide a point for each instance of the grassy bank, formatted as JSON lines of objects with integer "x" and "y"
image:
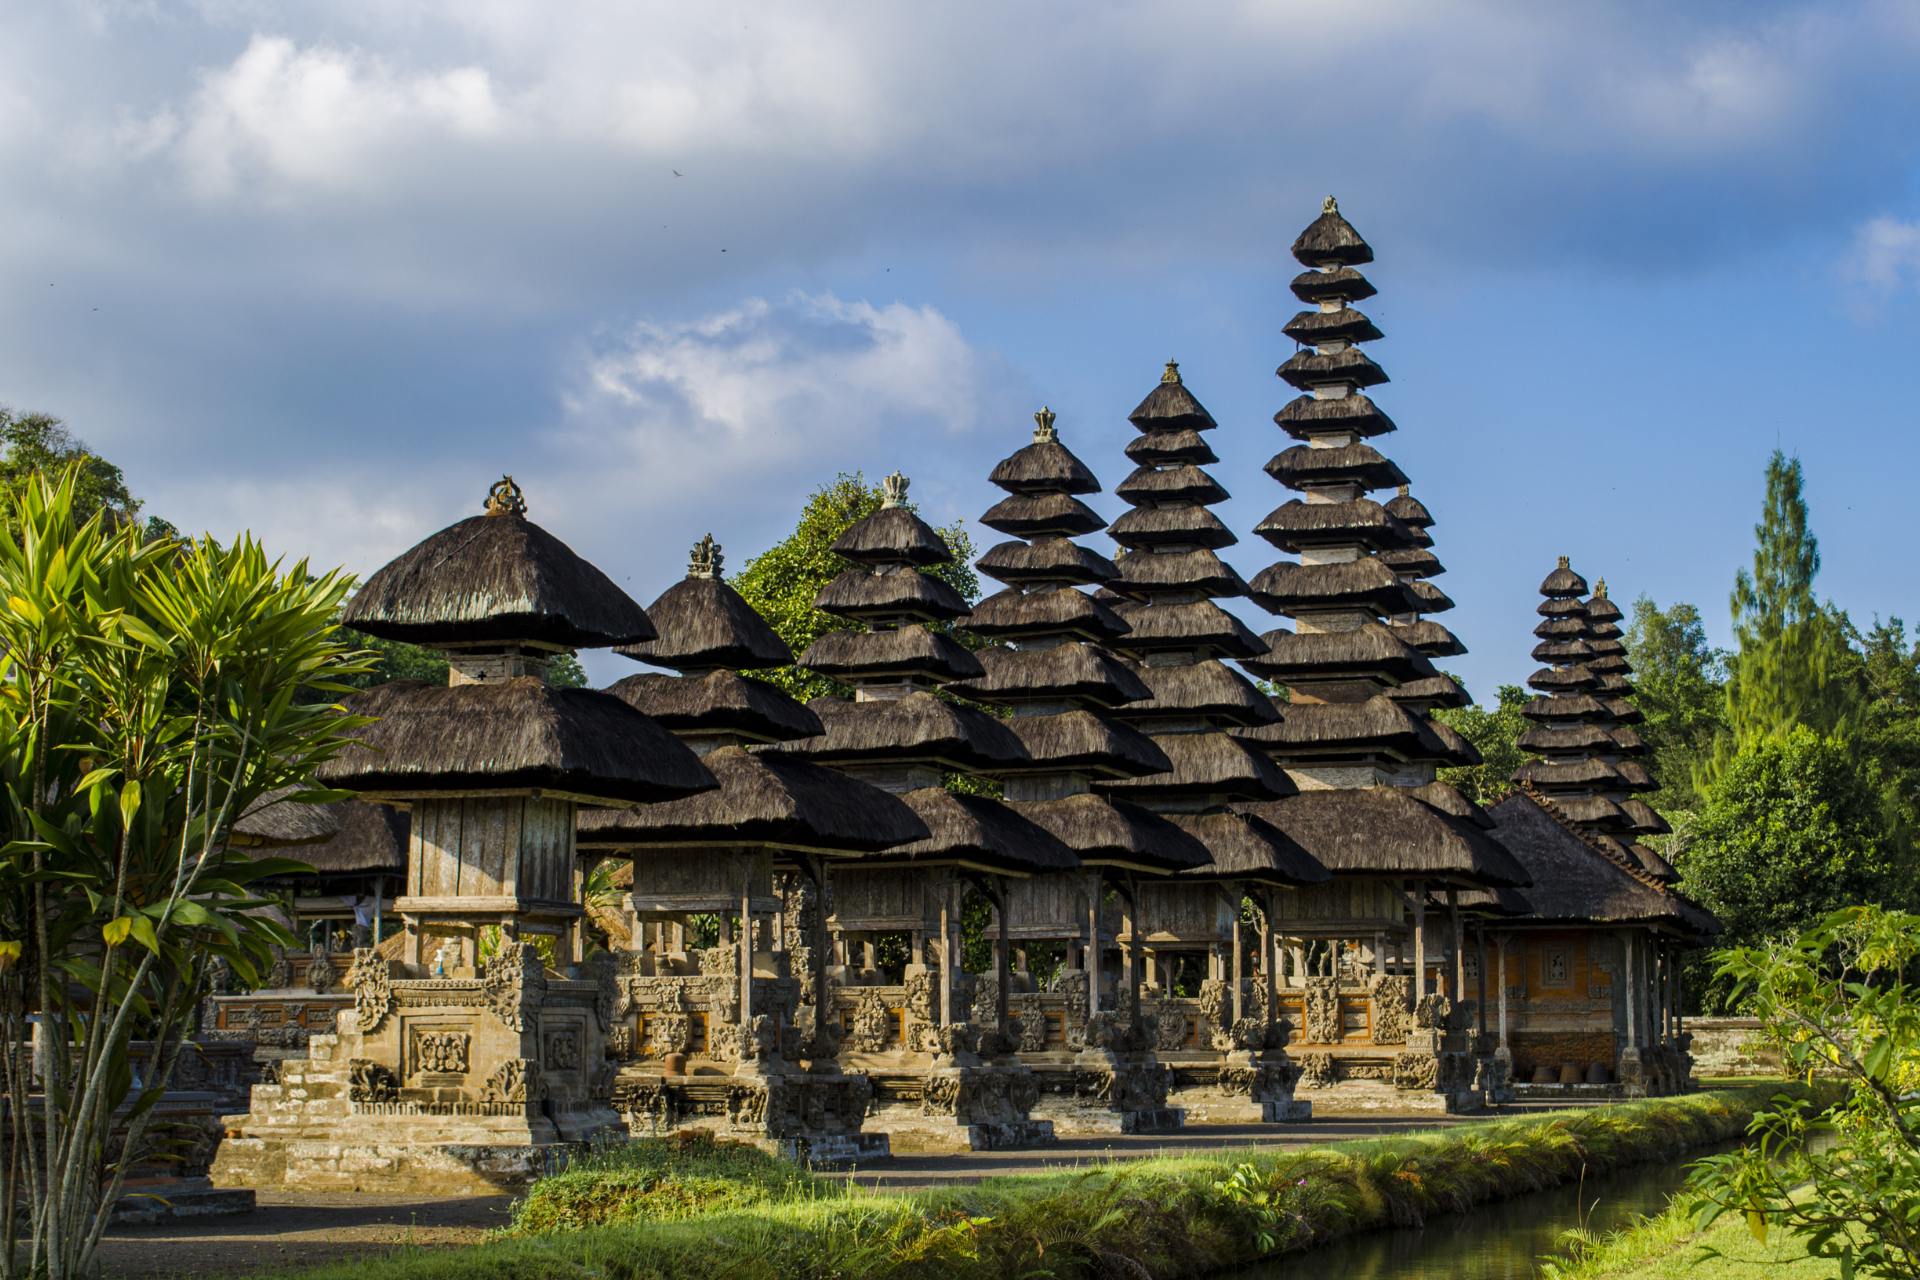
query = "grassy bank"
{"x": 691, "y": 1209}
{"x": 1669, "y": 1247}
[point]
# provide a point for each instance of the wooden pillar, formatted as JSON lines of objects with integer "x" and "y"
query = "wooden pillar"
{"x": 944, "y": 953}
{"x": 1501, "y": 941}
{"x": 822, "y": 1004}
{"x": 746, "y": 946}
{"x": 1134, "y": 929}
{"x": 1269, "y": 920}
{"x": 1093, "y": 939}
{"x": 1001, "y": 972}
{"x": 1480, "y": 967}
{"x": 1419, "y": 941}
{"x": 1239, "y": 965}
{"x": 1633, "y": 998}
{"x": 1379, "y": 954}
{"x": 869, "y": 954}
{"x": 1457, "y": 980}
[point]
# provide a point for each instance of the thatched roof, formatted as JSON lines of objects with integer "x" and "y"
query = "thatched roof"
{"x": 1369, "y": 650}
{"x": 1459, "y": 752}
{"x": 1418, "y": 561}
{"x": 274, "y": 822}
{"x": 1243, "y": 847}
{"x": 1622, "y": 711}
{"x": 1601, "y": 609}
{"x": 1653, "y": 864}
{"x": 1012, "y": 614}
{"x": 1084, "y": 742}
{"x": 1163, "y": 447}
{"x": 1331, "y": 241}
{"x": 1430, "y": 638}
{"x": 367, "y": 839}
{"x": 1603, "y": 630}
{"x": 1594, "y": 811}
{"x": 1355, "y": 463}
{"x": 1546, "y": 773}
{"x": 1058, "y": 560}
{"x": 1492, "y": 904}
{"x": 1074, "y": 671}
{"x": 1389, "y": 831}
{"x": 1636, "y": 777}
{"x": 511, "y": 735}
{"x": 495, "y": 578}
{"x": 1206, "y": 764}
{"x": 1434, "y": 691}
{"x": 1037, "y": 515}
{"x": 1578, "y": 878}
{"x": 904, "y": 592}
{"x": 1409, "y": 510}
{"x": 1314, "y": 730}
{"x": 1609, "y": 664}
{"x": 913, "y": 729}
{"x": 720, "y": 701}
{"x": 1176, "y": 484}
{"x": 1314, "y": 328}
{"x": 977, "y": 832}
{"x": 1563, "y": 679}
{"x": 1562, "y": 651}
{"x": 1574, "y": 707}
{"x": 1645, "y": 819}
{"x": 1605, "y": 647}
{"x": 1171, "y": 407}
{"x": 1288, "y": 587}
{"x": 763, "y": 799}
{"x": 1305, "y": 417}
{"x": 1558, "y": 739}
{"x": 1612, "y": 686}
{"x": 1564, "y": 582}
{"x": 1171, "y": 526}
{"x": 1104, "y": 832}
{"x": 1432, "y": 599}
{"x": 1564, "y": 629}
{"x": 1044, "y": 467}
{"x": 1142, "y": 574}
{"x": 1209, "y": 689}
{"x": 1343, "y": 284}
{"x": 903, "y": 651}
{"x": 1449, "y": 800}
{"x": 1626, "y": 740}
{"x": 1309, "y": 369}
{"x": 1199, "y": 625}
{"x": 892, "y": 535}
{"x": 704, "y": 623}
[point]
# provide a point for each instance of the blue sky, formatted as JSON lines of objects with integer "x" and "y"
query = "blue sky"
{"x": 324, "y": 271}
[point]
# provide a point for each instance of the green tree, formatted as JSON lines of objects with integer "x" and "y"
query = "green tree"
{"x": 40, "y": 444}
{"x": 1493, "y": 734}
{"x": 781, "y": 583}
{"x": 1679, "y": 683}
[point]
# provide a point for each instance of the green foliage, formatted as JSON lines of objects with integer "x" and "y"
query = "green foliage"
{"x": 1492, "y": 733}
{"x": 1839, "y": 999}
{"x": 781, "y": 583}
{"x": 396, "y": 660}
{"x": 38, "y": 444}
{"x": 655, "y": 1179}
{"x": 565, "y": 672}
{"x": 1679, "y": 682}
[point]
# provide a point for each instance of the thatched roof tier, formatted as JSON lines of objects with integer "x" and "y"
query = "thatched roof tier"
{"x": 371, "y": 839}
{"x": 1491, "y": 904}
{"x": 273, "y": 821}
{"x": 903, "y": 651}
{"x": 903, "y": 593}
{"x": 1143, "y": 574}
{"x": 1432, "y": 599}
{"x": 1606, "y": 647}
{"x": 1346, "y": 730}
{"x": 508, "y": 736}
{"x": 916, "y": 728}
{"x": 1249, "y": 849}
{"x": 1433, "y": 691}
{"x": 892, "y": 535}
{"x": 762, "y": 799}
{"x": 1562, "y": 739}
{"x": 1644, "y": 819}
{"x": 1011, "y": 614}
{"x": 1331, "y": 241}
{"x": 1611, "y": 664}
{"x": 1636, "y": 777}
{"x": 1291, "y": 588}
{"x": 1045, "y": 466}
{"x": 1594, "y": 811}
{"x": 1372, "y": 650}
{"x": 1178, "y": 484}
{"x": 1042, "y": 515}
{"x": 1622, "y": 711}
{"x": 1056, "y": 560}
{"x": 1430, "y": 638}
{"x": 1317, "y": 328}
{"x": 1305, "y": 417}
{"x": 1171, "y": 407}
{"x": 1561, "y": 607}
{"x": 1388, "y": 831}
{"x": 1171, "y": 448}
{"x": 1563, "y": 582}
{"x": 1075, "y": 672}
{"x": 1577, "y": 878}
{"x": 1206, "y": 764}
{"x": 1418, "y": 537}
{"x": 1208, "y": 690}
{"x": 718, "y": 702}
{"x": 1612, "y": 686}
{"x": 1104, "y": 832}
{"x": 704, "y": 623}
{"x": 1629, "y": 742}
{"x": 1409, "y": 510}
{"x": 1199, "y": 625}
{"x": 1171, "y": 526}
{"x": 1546, "y": 773}
{"x": 1310, "y": 369}
{"x": 1562, "y": 629}
{"x": 975, "y": 832}
{"x": 1577, "y": 706}
{"x": 1449, "y": 800}
{"x": 1082, "y": 742}
{"x": 1562, "y": 651}
{"x": 1297, "y": 525}
{"x": 1603, "y": 631}
{"x": 1601, "y": 609}
{"x": 1574, "y": 677}
{"x": 1341, "y": 285}
{"x": 1417, "y": 561}
{"x": 1653, "y": 864}
{"x": 1460, "y": 752}
{"x": 1303, "y": 466}
{"x": 495, "y": 578}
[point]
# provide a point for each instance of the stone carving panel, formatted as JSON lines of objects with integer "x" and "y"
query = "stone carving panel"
{"x": 515, "y": 985}
{"x": 372, "y": 983}
{"x": 1322, "y": 1019}
{"x": 872, "y": 1022}
{"x": 561, "y": 1050}
{"x": 368, "y": 1081}
{"x": 515, "y": 1080}
{"x": 440, "y": 1052}
{"x": 1033, "y": 1023}
{"x": 1387, "y": 1013}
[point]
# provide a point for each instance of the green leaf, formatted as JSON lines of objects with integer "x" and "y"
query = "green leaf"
{"x": 115, "y": 931}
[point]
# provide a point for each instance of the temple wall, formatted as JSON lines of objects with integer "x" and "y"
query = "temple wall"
{"x": 1731, "y": 1047}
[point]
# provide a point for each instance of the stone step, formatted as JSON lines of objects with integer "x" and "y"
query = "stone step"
{"x": 167, "y": 1200}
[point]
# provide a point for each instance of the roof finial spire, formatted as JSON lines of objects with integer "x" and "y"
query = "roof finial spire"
{"x": 1044, "y": 432}
{"x": 1565, "y": 561}
{"x": 704, "y": 560}
{"x": 1600, "y": 588}
{"x": 1329, "y": 205}
{"x": 505, "y": 498}
{"x": 1172, "y": 374}
{"x": 893, "y": 491}
{"x": 1406, "y": 490}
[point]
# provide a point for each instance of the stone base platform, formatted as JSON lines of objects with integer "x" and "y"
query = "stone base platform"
{"x": 171, "y": 1199}
{"x": 333, "y": 1164}
{"x": 832, "y": 1150}
{"x": 1366, "y": 1095}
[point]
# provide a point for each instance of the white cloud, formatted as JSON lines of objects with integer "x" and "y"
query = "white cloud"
{"x": 1885, "y": 254}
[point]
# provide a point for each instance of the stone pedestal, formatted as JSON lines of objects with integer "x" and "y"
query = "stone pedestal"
{"x": 1119, "y": 1085}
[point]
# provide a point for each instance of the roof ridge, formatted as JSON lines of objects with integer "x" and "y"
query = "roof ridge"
{"x": 1637, "y": 872}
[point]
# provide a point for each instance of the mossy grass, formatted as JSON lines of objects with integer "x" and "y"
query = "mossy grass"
{"x": 1671, "y": 1246}
{"x": 1150, "y": 1219}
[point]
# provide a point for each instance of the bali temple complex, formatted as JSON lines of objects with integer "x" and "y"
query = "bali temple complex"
{"x": 1221, "y": 877}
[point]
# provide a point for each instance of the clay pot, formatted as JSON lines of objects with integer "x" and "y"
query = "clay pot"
{"x": 1543, "y": 1074}
{"x": 675, "y": 1064}
{"x": 1570, "y": 1073}
{"x": 1597, "y": 1073}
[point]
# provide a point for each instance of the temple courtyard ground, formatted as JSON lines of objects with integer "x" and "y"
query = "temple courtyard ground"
{"x": 303, "y": 1228}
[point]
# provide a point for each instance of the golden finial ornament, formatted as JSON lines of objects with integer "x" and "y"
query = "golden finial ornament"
{"x": 1329, "y": 205}
{"x": 1043, "y": 433}
{"x": 704, "y": 560}
{"x": 505, "y": 498}
{"x": 893, "y": 491}
{"x": 1600, "y": 588}
{"x": 1566, "y": 562}
{"x": 1406, "y": 490}
{"x": 1172, "y": 374}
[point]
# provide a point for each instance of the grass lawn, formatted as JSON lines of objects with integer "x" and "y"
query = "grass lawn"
{"x": 1782, "y": 1257}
